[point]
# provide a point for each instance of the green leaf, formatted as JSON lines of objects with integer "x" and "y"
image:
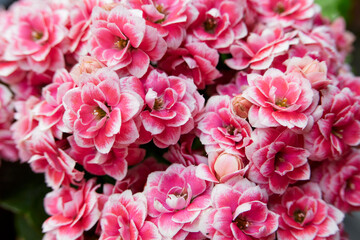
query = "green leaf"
{"x": 22, "y": 192}
{"x": 335, "y": 8}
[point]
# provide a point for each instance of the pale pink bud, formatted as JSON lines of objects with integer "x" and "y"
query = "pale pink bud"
{"x": 226, "y": 164}
{"x": 240, "y": 106}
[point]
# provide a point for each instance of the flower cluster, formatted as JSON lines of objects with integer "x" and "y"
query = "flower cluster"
{"x": 160, "y": 119}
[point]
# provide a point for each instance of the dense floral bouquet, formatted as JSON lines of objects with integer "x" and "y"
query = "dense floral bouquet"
{"x": 204, "y": 119}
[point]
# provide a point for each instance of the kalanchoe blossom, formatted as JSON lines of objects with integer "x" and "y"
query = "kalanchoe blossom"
{"x": 49, "y": 157}
{"x": 260, "y": 48}
{"x": 101, "y": 113}
{"x": 220, "y": 129}
{"x": 79, "y": 30}
{"x": 72, "y": 211}
{"x": 304, "y": 215}
{"x": 339, "y": 181}
{"x": 49, "y": 112}
{"x": 338, "y": 128}
{"x": 170, "y": 18}
{"x": 124, "y": 217}
{"x": 239, "y": 211}
{"x": 313, "y": 70}
{"x": 183, "y": 152}
{"x": 277, "y": 159}
{"x": 121, "y": 39}
{"x": 172, "y": 104}
{"x": 236, "y": 86}
{"x": 24, "y": 126}
{"x": 175, "y": 199}
{"x": 220, "y": 23}
{"x": 114, "y": 164}
{"x": 37, "y": 38}
{"x": 86, "y": 64}
{"x": 285, "y": 12}
{"x": 196, "y": 60}
{"x": 280, "y": 99}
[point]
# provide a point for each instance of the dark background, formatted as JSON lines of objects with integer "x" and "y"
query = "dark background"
{"x": 22, "y": 191}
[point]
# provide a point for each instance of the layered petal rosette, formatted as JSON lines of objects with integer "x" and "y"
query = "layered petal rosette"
{"x": 121, "y": 39}
{"x": 261, "y": 47}
{"x": 239, "y": 211}
{"x": 286, "y": 12}
{"x": 101, "y": 114}
{"x": 49, "y": 112}
{"x": 221, "y": 130}
{"x": 339, "y": 127}
{"x": 220, "y": 23}
{"x": 172, "y": 104}
{"x": 124, "y": 217}
{"x": 175, "y": 199}
{"x": 313, "y": 70}
{"x": 170, "y": 18}
{"x": 72, "y": 211}
{"x": 280, "y": 100}
{"x": 37, "y": 38}
{"x": 184, "y": 153}
{"x": 340, "y": 181}
{"x": 50, "y": 157}
{"x": 277, "y": 159}
{"x": 304, "y": 215}
{"x": 196, "y": 60}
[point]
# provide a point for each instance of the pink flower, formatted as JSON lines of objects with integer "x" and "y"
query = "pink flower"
{"x": 339, "y": 181}
{"x": 184, "y": 154}
{"x": 72, "y": 211}
{"x": 313, "y": 70}
{"x": 221, "y": 130}
{"x": 280, "y": 99}
{"x": 277, "y": 158}
{"x": 260, "y": 48}
{"x": 285, "y": 12}
{"x": 338, "y": 128}
{"x": 175, "y": 199}
{"x": 196, "y": 60}
{"x": 172, "y": 104}
{"x": 304, "y": 215}
{"x": 86, "y": 64}
{"x": 6, "y": 107}
{"x": 24, "y": 126}
{"x": 8, "y": 150}
{"x": 49, "y": 157}
{"x": 170, "y": 18}
{"x": 220, "y": 23}
{"x": 239, "y": 211}
{"x": 49, "y": 112}
{"x": 101, "y": 113}
{"x": 37, "y": 38}
{"x": 236, "y": 86}
{"x": 79, "y": 30}
{"x": 122, "y": 40}
{"x": 222, "y": 166}
{"x": 124, "y": 217}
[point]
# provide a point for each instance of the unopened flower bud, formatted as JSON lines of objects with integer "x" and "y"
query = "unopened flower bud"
{"x": 240, "y": 106}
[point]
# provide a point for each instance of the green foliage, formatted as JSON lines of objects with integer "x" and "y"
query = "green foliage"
{"x": 335, "y": 8}
{"x": 22, "y": 192}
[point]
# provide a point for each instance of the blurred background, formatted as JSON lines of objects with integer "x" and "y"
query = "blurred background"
{"x": 22, "y": 191}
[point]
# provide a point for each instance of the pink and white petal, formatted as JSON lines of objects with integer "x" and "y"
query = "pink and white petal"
{"x": 167, "y": 227}
{"x": 152, "y": 124}
{"x": 113, "y": 124}
{"x": 103, "y": 143}
{"x": 149, "y": 231}
{"x": 139, "y": 64}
